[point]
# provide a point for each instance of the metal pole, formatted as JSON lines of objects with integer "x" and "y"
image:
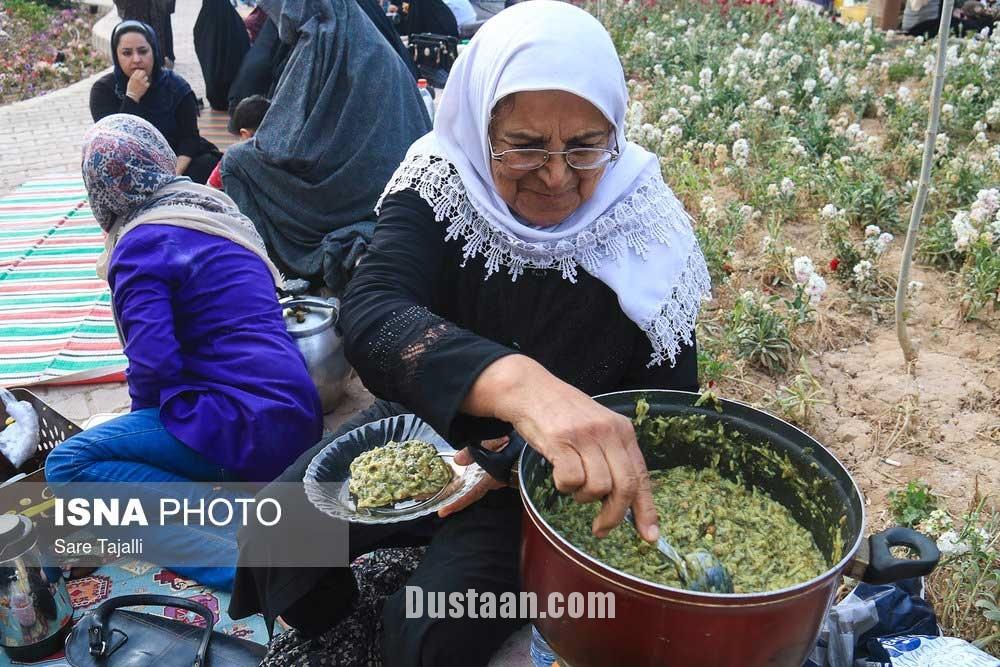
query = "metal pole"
{"x": 909, "y": 350}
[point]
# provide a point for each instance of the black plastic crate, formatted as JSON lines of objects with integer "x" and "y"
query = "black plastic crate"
{"x": 53, "y": 428}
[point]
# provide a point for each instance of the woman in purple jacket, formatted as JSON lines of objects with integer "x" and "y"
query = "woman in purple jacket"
{"x": 219, "y": 390}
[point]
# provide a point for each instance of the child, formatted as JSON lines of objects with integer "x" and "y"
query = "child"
{"x": 246, "y": 118}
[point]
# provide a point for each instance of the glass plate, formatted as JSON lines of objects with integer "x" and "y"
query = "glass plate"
{"x": 328, "y": 476}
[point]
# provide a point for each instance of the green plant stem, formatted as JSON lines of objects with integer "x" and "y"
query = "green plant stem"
{"x": 909, "y": 351}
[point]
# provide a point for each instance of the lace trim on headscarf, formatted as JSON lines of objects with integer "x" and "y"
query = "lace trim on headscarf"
{"x": 679, "y": 310}
{"x": 644, "y": 217}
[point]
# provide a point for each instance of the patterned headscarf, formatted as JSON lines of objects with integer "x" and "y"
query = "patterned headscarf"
{"x": 125, "y": 161}
{"x": 129, "y": 170}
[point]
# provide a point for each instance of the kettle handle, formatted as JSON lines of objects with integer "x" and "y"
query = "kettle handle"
{"x": 332, "y": 303}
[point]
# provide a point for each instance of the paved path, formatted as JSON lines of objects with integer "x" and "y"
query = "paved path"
{"x": 43, "y": 135}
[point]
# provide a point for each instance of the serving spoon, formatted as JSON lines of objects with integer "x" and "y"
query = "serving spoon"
{"x": 699, "y": 570}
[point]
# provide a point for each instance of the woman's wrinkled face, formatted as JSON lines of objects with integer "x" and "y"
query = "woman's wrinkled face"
{"x": 135, "y": 54}
{"x": 556, "y": 121}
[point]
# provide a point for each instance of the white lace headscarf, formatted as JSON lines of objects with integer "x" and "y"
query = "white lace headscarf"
{"x": 632, "y": 234}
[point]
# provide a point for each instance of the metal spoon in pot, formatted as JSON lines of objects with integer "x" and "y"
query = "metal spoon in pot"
{"x": 699, "y": 570}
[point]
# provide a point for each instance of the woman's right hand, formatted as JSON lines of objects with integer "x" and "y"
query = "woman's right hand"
{"x": 593, "y": 450}
{"x": 138, "y": 84}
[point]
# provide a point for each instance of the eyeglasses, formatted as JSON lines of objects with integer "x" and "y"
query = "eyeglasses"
{"x": 528, "y": 159}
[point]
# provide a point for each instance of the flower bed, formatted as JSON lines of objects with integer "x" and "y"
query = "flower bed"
{"x": 796, "y": 143}
{"x": 43, "y": 48}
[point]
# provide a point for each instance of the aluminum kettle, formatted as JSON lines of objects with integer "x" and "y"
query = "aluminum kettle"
{"x": 36, "y": 613}
{"x": 312, "y": 322}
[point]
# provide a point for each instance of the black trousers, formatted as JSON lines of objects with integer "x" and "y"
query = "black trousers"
{"x": 201, "y": 166}
{"x": 474, "y": 549}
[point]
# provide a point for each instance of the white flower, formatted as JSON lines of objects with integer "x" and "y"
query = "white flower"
{"x": 872, "y": 230}
{"x": 765, "y": 243}
{"x": 815, "y": 288}
{"x": 825, "y": 74}
{"x": 734, "y": 129}
{"x": 947, "y": 110}
{"x": 787, "y": 187}
{"x": 705, "y": 78}
{"x": 741, "y": 152}
{"x": 986, "y": 205}
{"x": 904, "y": 94}
{"x": 675, "y": 132}
{"x": 863, "y": 271}
{"x": 938, "y": 522}
{"x": 941, "y": 145}
{"x": 829, "y": 212}
{"x": 803, "y": 267}
{"x": 963, "y": 230}
{"x": 773, "y": 190}
{"x": 949, "y": 544}
{"x": 877, "y": 245}
{"x": 809, "y": 85}
{"x": 913, "y": 288}
{"x": 854, "y": 133}
{"x": 763, "y": 104}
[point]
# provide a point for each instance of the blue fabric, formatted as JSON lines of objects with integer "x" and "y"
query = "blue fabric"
{"x": 207, "y": 345}
{"x": 854, "y": 627}
{"x": 136, "y": 448}
{"x": 166, "y": 90}
{"x": 901, "y": 611}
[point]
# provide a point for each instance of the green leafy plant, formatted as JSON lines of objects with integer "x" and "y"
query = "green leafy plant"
{"x": 37, "y": 15}
{"x": 980, "y": 280}
{"x": 760, "y": 334}
{"x": 799, "y": 399}
{"x": 912, "y": 504}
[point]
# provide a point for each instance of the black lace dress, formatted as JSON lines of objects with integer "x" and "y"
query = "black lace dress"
{"x": 420, "y": 325}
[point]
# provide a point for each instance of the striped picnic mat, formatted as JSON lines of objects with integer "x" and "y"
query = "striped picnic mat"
{"x": 55, "y": 313}
{"x": 213, "y": 125}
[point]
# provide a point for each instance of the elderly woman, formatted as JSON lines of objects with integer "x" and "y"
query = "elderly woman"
{"x": 219, "y": 389}
{"x": 526, "y": 257}
{"x": 139, "y": 85}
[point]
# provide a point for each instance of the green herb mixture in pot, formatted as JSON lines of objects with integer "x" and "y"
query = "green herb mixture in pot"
{"x": 397, "y": 471}
{"x": 755, "y": 537}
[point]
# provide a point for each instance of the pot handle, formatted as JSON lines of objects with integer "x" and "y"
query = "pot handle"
{"x": 881, "y": 567}
{"x": 502, "y": 465}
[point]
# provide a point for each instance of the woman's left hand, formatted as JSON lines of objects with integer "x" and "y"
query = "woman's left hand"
{"x": 485, "y": 485}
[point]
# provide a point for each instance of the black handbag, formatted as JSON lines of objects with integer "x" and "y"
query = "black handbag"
{"x": 109, "y": 637}
{"x": 433, "y": 55}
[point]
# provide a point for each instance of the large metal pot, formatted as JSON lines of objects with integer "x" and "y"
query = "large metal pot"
{"x": 312, "y": 322}
{"x": 664, "y": 626}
